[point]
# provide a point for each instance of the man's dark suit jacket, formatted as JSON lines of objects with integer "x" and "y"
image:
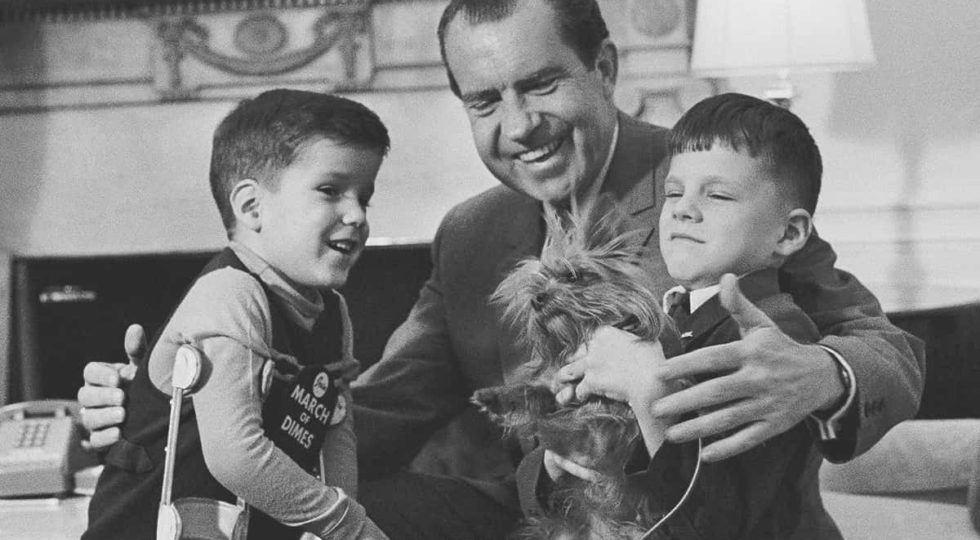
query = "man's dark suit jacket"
{"x": 453, "y": 341}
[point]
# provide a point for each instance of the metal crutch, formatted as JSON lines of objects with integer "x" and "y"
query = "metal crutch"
{"x": 192, "y": 517}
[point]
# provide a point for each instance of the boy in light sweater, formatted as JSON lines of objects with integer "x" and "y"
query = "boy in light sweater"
{"x": 291, "y": 173}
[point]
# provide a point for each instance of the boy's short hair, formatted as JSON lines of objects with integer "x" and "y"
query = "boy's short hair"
{"x": 763, "y": 130}
{"x": 265, "y": 134}
{"x": 579, "y": 22}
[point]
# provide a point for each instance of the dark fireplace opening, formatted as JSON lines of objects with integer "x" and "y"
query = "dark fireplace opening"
{"x": 70, "y": 311}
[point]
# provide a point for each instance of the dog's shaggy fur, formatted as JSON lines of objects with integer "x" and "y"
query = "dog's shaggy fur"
{"x": 588, "y": 276}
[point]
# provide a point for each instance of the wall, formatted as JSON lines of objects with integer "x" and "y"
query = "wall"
{"x": 100, "y": 162}
{"x": 901, "y": 143}
{"x": 96, "y": 181}
{"x": 901, "y": 146}
{"x": 106, "y": 118}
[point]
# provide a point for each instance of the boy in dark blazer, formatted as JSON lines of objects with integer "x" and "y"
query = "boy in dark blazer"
{"x": 739, "y": 198}
{"x": 738, "y": 201}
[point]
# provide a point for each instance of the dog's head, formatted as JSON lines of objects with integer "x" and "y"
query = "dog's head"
{"x": 591, "y": 433}
{"x": 588, "y": 276}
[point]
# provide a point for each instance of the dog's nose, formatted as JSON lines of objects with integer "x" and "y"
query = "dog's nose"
{"x": 539, "y": 300}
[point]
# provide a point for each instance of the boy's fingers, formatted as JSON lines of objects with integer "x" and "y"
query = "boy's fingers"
{"x": 100, "y": 396}
{"x": 565, "y": 395}
{"x": 551, "y": 466}
{"x": 101, "y": 374}
{"x": 101, "y": 418}
{"x": 745, "y": 313}
{"x": 570, "y": 373}
{"x": 100, "y": 440}
{"x": 573, "y": 468}
{"x": 582, "y": 391}
{"x": 135, "y": 345}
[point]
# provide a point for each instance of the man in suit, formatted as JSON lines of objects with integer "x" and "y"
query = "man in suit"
{"x": 536, "y": 78}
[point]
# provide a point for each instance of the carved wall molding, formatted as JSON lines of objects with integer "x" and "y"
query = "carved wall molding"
{"x": 658, "y": 18}
{"x": 258, "y": 39}
{"x": 85, "y": 53}
{"x": 96, "y": 10}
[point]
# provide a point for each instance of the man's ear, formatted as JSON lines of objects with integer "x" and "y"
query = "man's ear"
{"x": 245, "y": 201}
{"x": 799, "y": 226}
{"x": 607, "y": 64}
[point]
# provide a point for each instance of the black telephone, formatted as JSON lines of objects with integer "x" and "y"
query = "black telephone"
{"x": 40, "y": 448}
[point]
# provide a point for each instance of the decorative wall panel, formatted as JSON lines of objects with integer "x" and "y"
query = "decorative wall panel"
{"x": 64, "y": 54}
{"x": 70, "y": 53}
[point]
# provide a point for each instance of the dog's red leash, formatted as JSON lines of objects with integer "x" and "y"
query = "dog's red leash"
{"x": 687, "y": 493}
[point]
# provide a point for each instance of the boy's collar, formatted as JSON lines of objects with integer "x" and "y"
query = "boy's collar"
{"x": 307, "y": 302}
{"x": 754, "y": 285}
{"x": 698, "y": 297}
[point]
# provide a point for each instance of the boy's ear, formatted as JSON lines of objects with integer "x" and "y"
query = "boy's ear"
{"x": 799, "y": 226}
{"x": 245, "y": 203}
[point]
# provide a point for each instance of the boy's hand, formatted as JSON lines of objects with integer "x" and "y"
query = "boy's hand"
{"x": 557, "y": 466}
{"x": 103, "y": 395}
{"x": 766, "y": 383}
{"x": 614, "y": 364}
{"x": 618, "y": 365}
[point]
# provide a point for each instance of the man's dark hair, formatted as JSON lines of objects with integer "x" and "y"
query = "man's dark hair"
{"x": 580, "y": 25}
{"x": 761, "y": 129}
{"x": 265, "y": 134}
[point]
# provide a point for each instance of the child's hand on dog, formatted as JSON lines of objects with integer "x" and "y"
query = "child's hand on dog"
{"x": 557, "y": 466}
{"x": 615, "y": 364}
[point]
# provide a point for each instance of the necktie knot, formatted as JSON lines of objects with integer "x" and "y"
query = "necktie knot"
{"x": 680, "y": 306}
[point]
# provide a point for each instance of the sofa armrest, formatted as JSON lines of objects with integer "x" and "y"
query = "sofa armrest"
{"x": 915, "y": 456}
{"x": 922, "y": 480}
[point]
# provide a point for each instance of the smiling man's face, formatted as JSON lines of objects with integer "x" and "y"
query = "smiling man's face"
{"x": 542, "y": 121}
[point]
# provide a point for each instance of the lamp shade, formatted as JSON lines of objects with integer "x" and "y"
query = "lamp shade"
{"x": 761, "y": 37}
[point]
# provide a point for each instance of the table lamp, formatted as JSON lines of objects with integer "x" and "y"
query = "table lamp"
{"x": 778, "y": 37}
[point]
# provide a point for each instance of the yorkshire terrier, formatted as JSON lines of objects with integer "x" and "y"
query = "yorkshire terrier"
{"x": 588, "y": 276}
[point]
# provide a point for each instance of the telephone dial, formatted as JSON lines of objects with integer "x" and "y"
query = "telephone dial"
{"x": 40, "y": 448}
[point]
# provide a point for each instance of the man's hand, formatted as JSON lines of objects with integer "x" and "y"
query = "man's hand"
{"x": 103, "y": 395}
{"x": 768, "y": 383}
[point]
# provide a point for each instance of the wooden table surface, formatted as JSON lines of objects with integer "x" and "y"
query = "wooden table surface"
{"x": 48, "y": 519}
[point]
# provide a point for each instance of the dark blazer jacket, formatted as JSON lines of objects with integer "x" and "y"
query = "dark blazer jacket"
{"x": 453, "y": 341}
{"x": 771, "y": 491}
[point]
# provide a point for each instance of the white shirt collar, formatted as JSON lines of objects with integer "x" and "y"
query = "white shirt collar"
{"x": 698, "y": 296}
